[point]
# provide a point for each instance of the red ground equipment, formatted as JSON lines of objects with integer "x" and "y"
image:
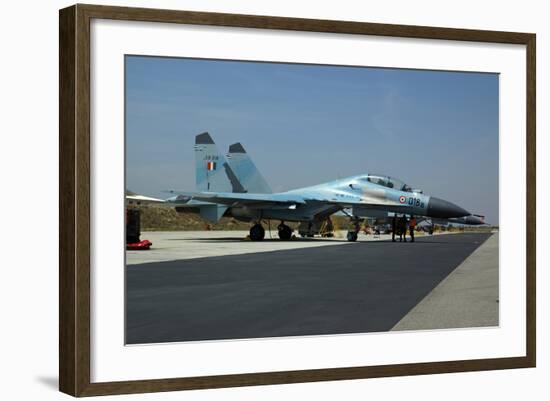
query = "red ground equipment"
{"x": 139, "y": 246}
{"x": 133, "y": 231}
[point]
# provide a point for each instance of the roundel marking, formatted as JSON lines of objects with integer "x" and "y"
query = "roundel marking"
{"x": 402, "y": 199}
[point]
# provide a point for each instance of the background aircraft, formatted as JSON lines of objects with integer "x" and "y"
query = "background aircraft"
{"x": 471, "y": 220}
{"x": 383, "y": 218}
{"x": 133, "y": 199}
{"x": 235, "y": 187}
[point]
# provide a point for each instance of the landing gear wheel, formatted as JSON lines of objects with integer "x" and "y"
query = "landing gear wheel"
{"x": 285, "y": 232}
{"x": 352, "y": 236}
{"x": 257, "y": 232}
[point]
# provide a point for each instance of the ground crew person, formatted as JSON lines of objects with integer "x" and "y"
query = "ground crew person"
{"x": 393, "y": 227}
{"x": 412, "y": 226}
{"x": 403, "y": 229}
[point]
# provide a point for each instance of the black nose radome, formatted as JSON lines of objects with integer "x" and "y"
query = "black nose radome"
{"x": 443, "y": 209}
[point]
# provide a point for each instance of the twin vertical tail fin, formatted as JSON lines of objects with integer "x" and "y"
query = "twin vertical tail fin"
{"x": 246, "y": 171}
{"x": 214, "y": 174}
{"x": 211, "y": 172}
{"x": 209, "y": 166}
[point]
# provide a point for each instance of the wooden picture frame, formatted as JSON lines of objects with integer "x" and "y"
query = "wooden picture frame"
{"x": 74, "y": 199}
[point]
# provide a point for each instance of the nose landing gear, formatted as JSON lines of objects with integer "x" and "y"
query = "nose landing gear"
{"x": 352, "y": 233}
{"x": 352, "y": 236}
{"x": 257, "y": 232}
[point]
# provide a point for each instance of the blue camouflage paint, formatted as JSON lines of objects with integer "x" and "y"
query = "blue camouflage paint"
{"x": 240, "y": 188}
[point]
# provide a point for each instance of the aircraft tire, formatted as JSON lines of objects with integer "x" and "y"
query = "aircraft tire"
{"x": 257, "y": 232}
{"x": 352, "y": 236}
{"x": 285, "y": 233}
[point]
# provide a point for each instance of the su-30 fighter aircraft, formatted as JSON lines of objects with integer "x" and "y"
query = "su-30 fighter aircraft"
{"x": 234, "y": 187}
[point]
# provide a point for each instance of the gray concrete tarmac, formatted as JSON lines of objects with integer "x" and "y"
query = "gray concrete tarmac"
{"x": 468, "y": 297}
{"x": 349, "y": 288}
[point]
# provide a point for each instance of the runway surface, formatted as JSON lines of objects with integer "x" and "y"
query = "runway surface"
{"x": 179, "y": 245}
{"x": 468, "y": 297}
{"x": 347, "y": 288}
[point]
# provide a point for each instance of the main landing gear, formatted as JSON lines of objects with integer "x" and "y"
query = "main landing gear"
{"x": 257, "y": 232}
{"x": 353, "y": 233}
{"x": 352, "y": 236}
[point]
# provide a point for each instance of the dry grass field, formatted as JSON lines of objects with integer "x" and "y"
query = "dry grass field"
{"x": 154, "y": 218}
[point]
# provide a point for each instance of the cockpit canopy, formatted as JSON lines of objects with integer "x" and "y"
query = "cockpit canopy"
{"x": 388, "y": 182}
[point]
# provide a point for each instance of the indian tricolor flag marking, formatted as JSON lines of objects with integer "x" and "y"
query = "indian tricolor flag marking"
{"x": 211, "y": 166}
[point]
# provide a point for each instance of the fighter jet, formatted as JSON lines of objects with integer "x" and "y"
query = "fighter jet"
{"x": 471, "y": 220}
{"x": 234, "y": 187}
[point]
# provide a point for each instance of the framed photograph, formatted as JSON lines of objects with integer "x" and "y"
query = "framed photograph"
{"x": 250, "y": 200}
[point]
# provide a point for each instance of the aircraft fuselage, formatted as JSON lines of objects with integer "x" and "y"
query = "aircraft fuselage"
{"x": 320, "y": 201}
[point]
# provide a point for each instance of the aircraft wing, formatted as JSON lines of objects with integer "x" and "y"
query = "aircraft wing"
{"x": 244, "y": 199}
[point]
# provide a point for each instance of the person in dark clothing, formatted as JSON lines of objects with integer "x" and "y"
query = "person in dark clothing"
{"x": 393, "y": 228}
{"x": 412, "y": 226}
{"x": 403, "y": 229}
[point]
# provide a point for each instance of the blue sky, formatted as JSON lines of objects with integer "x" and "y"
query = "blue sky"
{"x": 306, "y": 124}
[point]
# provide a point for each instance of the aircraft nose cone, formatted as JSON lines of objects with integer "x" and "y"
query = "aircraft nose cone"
{"x": 443, "y": 209}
